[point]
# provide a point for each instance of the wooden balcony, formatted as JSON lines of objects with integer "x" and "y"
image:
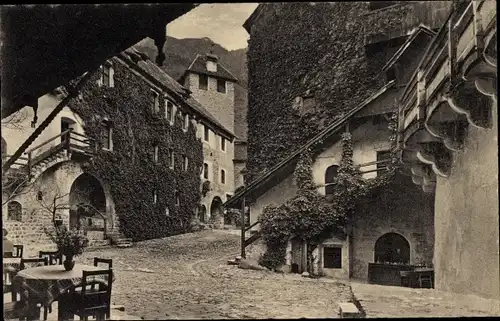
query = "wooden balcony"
{"x": 65, "y": 146}
{"x": 449, "y": 92}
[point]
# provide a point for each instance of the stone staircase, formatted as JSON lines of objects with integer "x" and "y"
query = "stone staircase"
{"x": 47, "y": 162}
{"x": 116, "y": 238}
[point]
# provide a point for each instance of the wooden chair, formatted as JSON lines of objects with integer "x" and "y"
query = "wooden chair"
{"x": 33, "y": 262}
{"x": 18, "y": 250}
{"x": 406, "y": 277}
{"x": 7, "y": 283}
{"x": 92, "y": 300}
{"x": 425, "y": 277}
{"x": 109, "y": 262}
{"x": 54, "y": 257}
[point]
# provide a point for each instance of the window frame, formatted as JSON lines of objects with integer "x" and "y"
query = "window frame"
{"x": 185, "y": 161}
{"x": 108, "y": 130}
{"x": 223, "y": 143}
{"x": 219, "y": 86}
{"x": 332, "y": 265}
{"x": 17, "y": 217}
{"x": 206, "y": 133}
{"x": 156, "y": 153}
{"x": 222, "y": 176}
{"x": 185, "y": 124}
{"x": 171, "y": 158}
{"x": 205, "y": 85}
{"x": 169, "y": 111}
{"x": 155, "y": 108}
{"x": 329, "y": 182}
{"x": 206, "y": 171}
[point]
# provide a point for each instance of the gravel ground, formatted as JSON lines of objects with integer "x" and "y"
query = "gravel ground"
{"x": 187, "y": 277}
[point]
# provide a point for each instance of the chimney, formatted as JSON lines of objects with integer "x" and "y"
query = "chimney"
{"x": 212, "y": 62}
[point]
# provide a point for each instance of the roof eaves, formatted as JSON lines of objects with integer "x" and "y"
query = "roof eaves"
{"x": 336, "y": 125}
{"x": 413, "y": 35}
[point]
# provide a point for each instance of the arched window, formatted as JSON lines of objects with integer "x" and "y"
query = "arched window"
{"x": 330, "y": 175}
{"x": 14, "y": 211}
{"x": 392, "y": 248}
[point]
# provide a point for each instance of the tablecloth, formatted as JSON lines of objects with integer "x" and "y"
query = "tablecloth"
{"x": 45, "y": 284}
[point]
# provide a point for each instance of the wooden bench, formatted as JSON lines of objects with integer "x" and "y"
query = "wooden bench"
{"x": 348, "y": 310}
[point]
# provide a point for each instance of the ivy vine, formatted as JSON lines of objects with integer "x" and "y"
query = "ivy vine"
{"x": 313, "y": 217}
{"x": 129, "y": 169}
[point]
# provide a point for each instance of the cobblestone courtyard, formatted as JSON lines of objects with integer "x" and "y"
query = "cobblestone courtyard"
{"x": 186, "y": 276}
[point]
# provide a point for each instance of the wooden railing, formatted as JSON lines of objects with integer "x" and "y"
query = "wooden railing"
{"x": 254, "y": 237}
{"x": 383, "y": 162}
{"x": 70, "y": 141}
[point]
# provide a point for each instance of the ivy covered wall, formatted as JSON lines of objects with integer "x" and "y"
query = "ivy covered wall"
{"x": 298, "y": 47}
{"x": 315, "y": 47}
{"x": 129, "y": 169}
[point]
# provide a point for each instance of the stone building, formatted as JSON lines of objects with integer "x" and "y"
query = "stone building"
{"x": 124, "y": 156}
{"x": 212, "y": 85}
{"x": 449, "y": 140}
{"x": 355, "y": 75}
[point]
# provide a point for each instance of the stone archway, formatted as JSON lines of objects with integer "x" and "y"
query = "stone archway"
{"x": 392, "y": 248}
{"x": 216, "y": 210}
{"x": 86, "y": 198}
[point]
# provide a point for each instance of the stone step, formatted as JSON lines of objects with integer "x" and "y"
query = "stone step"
{"x": 348, "y": 310}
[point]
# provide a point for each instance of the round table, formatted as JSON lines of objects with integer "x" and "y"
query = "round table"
{"x": 47, "y": 283}
{"x": 12, "y": 263}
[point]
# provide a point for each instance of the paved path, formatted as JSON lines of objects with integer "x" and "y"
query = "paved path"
{"x": 380, "y": 301}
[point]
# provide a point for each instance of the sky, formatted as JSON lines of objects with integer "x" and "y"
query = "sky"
{"x": 221, "y": 22}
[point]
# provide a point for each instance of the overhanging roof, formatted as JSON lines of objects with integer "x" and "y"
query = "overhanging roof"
{"x": 46, "y": 46}
{"x": 273, "y": 175}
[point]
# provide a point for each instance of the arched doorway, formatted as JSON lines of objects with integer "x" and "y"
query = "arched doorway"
{"x": 86, "y": 198}
{"x": 216, "y": 211}
{"x": 392, "y": 248}
{"x": 203, "y": 213}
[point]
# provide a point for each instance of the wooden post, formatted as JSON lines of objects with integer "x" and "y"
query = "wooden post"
{"x": 29, "y": 165}
{"x": 243, "y": 221}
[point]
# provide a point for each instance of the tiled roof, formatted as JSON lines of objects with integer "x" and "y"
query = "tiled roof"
{"x": 199, "y": 65}
{"x": 142, "y": 61}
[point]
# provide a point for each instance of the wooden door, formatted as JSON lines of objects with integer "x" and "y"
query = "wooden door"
{"x": 297, "y": 256}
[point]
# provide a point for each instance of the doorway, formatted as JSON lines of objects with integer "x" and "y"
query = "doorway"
{"x": 66, "y": 124}
{"x": 392, "y": 248}
{"x": 297, "y": 260}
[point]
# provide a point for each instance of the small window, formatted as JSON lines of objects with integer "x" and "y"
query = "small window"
{"x": 89, "y": 222}
{"x": 330, "y": 175}
{"x": 107, "y": 77}
{"x": 203, "y": 82}
{"x": 106, "y": 137}
{"x": 155, "y": 197}
{"x": 332, "y": 257}
{"x": 167, "y": 211}
{"x": 39, "y": 195}
{"x": 223, "y": 176}
{"x": 155, "y": 155}
{"x": 222, "y": 143}
{"x": 177, "y": 199}
{"x": 206, "y": 133}
{"x": 186, "y": 162}
{"x": 170, "y": 112}
{"x": 221, "y": 86}
{"x": 155, "y": 102}
{"x": 185, "y": 125}
{"x": 228, "y": 196}
{"x": 171, "y": 158}
{"x": 205, "y": 171}
{"x": 14, "y": 211}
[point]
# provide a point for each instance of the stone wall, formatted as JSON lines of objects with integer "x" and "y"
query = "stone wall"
{"x": 220, "y": 105}
{"x": 467, "y": 221}
{"x": 401, "y": 208}
{"x": 36, "y": 214}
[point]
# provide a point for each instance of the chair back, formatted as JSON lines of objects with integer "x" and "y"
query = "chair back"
{"x": 109, "y": 262}
{"x": 96, "y": 293}
{"x": 33, "y": 262}
{"x": 18, "y": 250}
{"x": 54, "y": 257}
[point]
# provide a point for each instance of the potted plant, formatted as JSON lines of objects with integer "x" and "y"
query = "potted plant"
{"x": 70, "y": 243}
